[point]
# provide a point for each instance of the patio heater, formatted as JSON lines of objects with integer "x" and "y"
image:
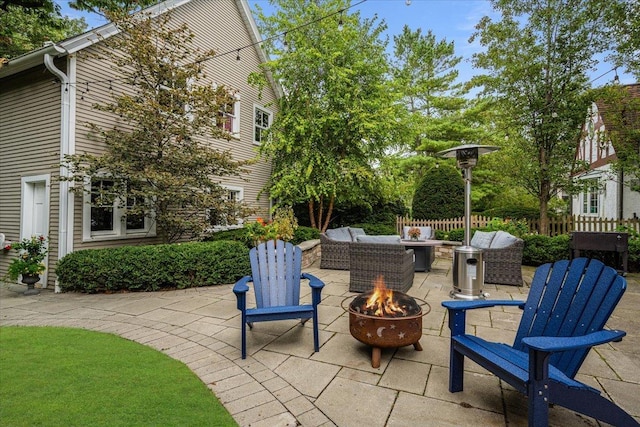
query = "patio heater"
{"x": 468, "y": 266}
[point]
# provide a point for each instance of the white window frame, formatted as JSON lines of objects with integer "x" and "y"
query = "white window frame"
{"x": 235, "y": 118}
{"x": 591, "y": 199}
{"x": 239, "y": 198}
{"x": 261, "y": 108}
{"x": 119, "y": 230}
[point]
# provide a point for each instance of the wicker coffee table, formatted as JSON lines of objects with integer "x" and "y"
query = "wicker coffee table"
{"x": 424, "y": 252}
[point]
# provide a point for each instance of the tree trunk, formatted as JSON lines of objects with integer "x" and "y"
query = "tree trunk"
{"x": 312, "y": 218}
{"x": 544, "y": 208}
{"x": 328, "y": 215}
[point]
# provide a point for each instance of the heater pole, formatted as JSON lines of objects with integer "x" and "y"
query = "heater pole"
{"x": 467, "y": 205}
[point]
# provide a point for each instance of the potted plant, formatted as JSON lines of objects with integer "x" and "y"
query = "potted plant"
{"x": 282, "y": 227}
{"x": 414, "y": 233}
{"x": 29, "y": 263}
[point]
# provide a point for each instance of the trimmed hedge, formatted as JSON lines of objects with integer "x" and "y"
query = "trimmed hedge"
{"x": 153, "y": 267}
{"x": 540, "y": 249}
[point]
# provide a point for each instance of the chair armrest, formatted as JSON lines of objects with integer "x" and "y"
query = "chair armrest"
{"x": 240, "y": 289}
{"x": 458, "y": 311}
{"x": 316, "y": 288}
{"x": 470, "y": 305}
{"x": 241, "y": 286}
{"x": 314, "y": 282}
{"x": 552, "y": 344}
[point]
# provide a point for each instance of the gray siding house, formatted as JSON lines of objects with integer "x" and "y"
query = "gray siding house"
{"x": 46, "y": 99}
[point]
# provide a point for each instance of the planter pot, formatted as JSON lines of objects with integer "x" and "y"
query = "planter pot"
{"x": 30, "y": 280}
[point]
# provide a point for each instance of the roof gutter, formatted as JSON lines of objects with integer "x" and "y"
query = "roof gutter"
{"x": 67, "y": 146}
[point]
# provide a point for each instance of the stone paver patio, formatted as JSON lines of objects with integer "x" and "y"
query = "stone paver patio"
{"x": 284, "y": 383}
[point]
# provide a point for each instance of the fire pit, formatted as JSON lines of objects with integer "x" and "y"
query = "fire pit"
{"x": 383, "y": 318}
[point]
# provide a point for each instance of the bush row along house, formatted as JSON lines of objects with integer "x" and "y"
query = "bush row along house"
{"x": 610, "y": 194}
{"x": 45, "y": 108}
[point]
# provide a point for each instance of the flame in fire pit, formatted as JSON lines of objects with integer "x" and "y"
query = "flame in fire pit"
{"x": 381, "y": 302}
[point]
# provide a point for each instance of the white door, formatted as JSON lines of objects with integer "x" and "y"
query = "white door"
{"x": 35, "y": 211}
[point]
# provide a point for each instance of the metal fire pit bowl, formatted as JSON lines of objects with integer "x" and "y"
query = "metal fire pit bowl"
{"x": 387, "y": 331}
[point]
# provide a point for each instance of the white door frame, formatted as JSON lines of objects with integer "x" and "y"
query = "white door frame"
{"x": 26, "y": 212}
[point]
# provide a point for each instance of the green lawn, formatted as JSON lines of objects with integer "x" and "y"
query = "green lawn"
{"x": 72, "y": 377}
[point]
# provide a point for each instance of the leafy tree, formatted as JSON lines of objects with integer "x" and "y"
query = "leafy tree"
{"x": 159, "y": 158}
{"x": 102, "y": 6}
{"x": 440, "y": 194}
{"x": 337, "y": 112}
{"x": 424, "y": 75}
{"x": 27, "y": 25}
{"x": 537, "y": 58}
{"x": 624, "y": 20}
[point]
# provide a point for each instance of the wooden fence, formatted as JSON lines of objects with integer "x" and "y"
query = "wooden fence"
{"x": 560, "y": 225}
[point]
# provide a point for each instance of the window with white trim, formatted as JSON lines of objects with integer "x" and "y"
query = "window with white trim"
{"x": 590, "y": 198}
{"x": 261, "y": 122}
{"x": 218, "y": 219}
{"x": 229, "y": 117}
{"x": 105, "y": 217}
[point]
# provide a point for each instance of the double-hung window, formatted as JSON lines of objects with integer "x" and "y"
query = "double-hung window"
{"x": 262, "y": 122}
{"x": 229, "y": 116}
{"x": 105, "y": 216}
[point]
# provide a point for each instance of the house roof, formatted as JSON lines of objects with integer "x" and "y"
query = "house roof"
{"x": 82, "y": 41}
{"x": 631, "y": 116}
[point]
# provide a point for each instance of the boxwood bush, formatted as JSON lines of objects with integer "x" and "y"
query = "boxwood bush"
{"x": 153, "y": 267}
{"x": 540, "y": 249}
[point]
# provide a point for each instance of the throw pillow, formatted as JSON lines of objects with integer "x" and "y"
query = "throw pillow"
{"x": 502, "y": 240}
{"x": 482, "y": 239}
{"x": 338, "y": 234}
{"x": 355, "y": 232}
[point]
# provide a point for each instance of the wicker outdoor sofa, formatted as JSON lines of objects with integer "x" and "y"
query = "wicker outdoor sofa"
{"x": 502, "y": 256}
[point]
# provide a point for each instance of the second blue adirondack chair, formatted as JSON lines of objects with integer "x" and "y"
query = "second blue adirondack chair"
{"x": 276, "y": 273}
{"x": 564, "y": 316}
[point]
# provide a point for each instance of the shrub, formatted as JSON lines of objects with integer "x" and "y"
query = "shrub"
{"x": 153, "y": 267}
{"x": 539, "y": 249}
{"x": 236, "y": 234}
{"x": 518, "y": 227}
{"x": 634, "y": 248}
{"x": 377, "y": 229}
{"x": 455, "y": 235}
{"x": 303, "y": 234}
{"x": 440, "y": 194}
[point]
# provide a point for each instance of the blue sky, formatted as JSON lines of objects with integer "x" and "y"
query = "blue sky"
{"x": 453, "y": 20}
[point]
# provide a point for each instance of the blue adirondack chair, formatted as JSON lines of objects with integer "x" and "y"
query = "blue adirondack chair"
{"x": 564, "y": 316}
{"x": 276, "y": 274}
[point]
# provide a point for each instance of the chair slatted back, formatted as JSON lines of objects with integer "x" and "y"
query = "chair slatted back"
{"x": 569, "y": 298}
{"x": 276, "y": 270}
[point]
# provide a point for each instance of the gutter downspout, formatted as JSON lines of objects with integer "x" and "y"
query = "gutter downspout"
{"x": 67, "y": 146}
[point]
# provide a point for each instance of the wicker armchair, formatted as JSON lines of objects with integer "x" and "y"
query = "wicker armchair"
{"x": 502, "y": 255}
{"x": 334, "y": 253}
{"x": 334, "y": 244}
{"x": 504, "y": 265}
{"x": 370, "y": 260}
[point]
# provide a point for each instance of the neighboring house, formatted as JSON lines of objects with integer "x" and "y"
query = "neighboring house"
{"x": 609, "y": 194}
{"x": 46, "y": 99}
